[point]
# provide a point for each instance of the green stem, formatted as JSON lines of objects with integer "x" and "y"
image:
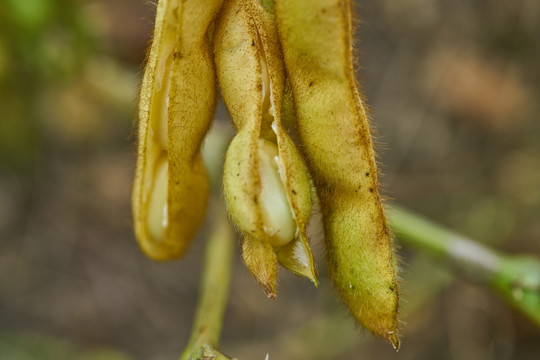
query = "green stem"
{"x": 515, "y": 278}
{"x": 214, "y": 291}
{"x": 468, "y": 256}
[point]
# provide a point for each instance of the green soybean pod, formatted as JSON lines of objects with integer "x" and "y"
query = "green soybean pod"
{"x": 316, "y": 39}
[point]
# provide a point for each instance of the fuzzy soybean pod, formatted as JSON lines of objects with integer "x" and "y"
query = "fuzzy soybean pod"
{"x": 316, "y": 37}
{"x": 177, "y": 103}
{"x": 265, "y": 182}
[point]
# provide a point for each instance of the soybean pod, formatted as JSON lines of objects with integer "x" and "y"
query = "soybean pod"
{"x": 177, "y": 103}
{"x": 316, "y": 38}
{"x": 265, "y": 182}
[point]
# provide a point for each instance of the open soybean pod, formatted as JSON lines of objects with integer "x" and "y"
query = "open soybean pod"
{"x": 177, "y": 103}
{"x": 316, "y": 38}
{"x": 265, "y": 182}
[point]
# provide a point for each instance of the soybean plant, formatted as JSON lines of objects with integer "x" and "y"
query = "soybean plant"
{"x": 280, "y": 70}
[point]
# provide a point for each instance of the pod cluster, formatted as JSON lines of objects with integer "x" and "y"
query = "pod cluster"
{"x": 280, "y": 67}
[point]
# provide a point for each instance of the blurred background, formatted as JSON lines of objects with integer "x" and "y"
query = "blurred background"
{"x": 454, "y": 89}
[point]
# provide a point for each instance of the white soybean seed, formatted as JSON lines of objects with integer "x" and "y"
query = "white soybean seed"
{"x": 278, "y": 221}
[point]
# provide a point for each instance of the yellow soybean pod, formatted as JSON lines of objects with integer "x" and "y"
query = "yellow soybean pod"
{"x": 177, "y": 103}
{"x": 266, "y": 184}
{"x": 316, "y": 38}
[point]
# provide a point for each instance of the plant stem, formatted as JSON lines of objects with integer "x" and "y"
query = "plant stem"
{"x": 214, "y": 291}
{"x": 468, "y": 256}
{"x": 515, "y": 278}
